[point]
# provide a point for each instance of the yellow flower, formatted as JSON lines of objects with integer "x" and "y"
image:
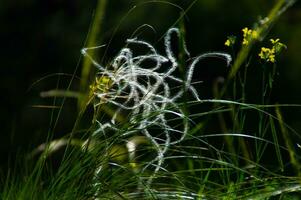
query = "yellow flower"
{"x": 267, "y": 54}
{"x": 248, "y": 34}
{"x": 271, "y": 58}
{"x": 254, "y": 34}
{"x": 230, "y": 41}
{"x": 101, "y": 85}
{"x": 245, "y": 42}
{"x": 277, "y": 45}
{"x": 227, "y": 43}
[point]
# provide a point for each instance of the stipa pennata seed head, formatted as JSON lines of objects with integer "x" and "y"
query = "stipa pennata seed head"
{"x": 145, "y": 93}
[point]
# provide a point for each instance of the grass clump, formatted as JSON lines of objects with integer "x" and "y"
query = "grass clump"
{"x": 153, "y": 136}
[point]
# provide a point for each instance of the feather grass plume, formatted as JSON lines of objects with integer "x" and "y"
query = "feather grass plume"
{"x": 143, "y": 91}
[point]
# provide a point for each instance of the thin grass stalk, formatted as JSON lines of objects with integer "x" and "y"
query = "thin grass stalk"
{"x": 94, "y": 35}
{"x": 288, "y": 143}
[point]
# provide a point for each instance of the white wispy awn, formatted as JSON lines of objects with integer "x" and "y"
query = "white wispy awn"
{"x": 145, "y": 92}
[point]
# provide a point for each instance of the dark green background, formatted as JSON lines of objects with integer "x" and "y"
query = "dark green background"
{"x": 39, "y": 38}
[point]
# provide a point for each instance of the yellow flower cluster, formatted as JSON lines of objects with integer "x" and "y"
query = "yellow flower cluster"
{"x": 101, "y": 84}
{"x": 248, "y": 34}
{"x": 268, "y": 54}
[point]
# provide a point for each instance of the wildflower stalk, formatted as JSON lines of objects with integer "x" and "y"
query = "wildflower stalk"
{"x": 261, "y": 31}
{"x": 250, "y": 38}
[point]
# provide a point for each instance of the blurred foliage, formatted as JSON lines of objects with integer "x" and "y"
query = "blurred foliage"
{"x": 40, "y": 38}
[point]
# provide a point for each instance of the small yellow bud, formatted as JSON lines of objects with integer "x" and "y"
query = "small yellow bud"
{"x": 245, "y": 42}
{"x": 227, "y": 43}
{"x": 254, "y": 34}
{"x": 277, "y": 45}
{"x": 274, "y": 41}
{"x": 271, "y": 58}
{"x": 230, "y": 41}
{"x": 246, "y": 31}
